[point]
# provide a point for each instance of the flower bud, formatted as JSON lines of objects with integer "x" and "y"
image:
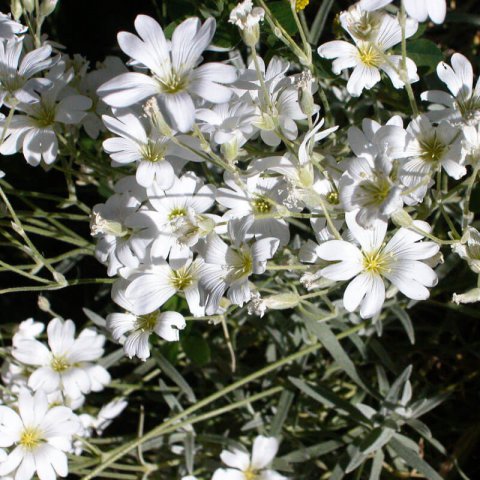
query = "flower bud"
{"x": 230, "y": 150}
{"x": 28, "y": 5}
{"x": 282, "y": 301}
{"x": 16, "y": 9}
{"x": 47, "y": 7}
{"x": 247, "y": 18}
{"x": 305, "y": 97}
{"x": 401, "y": 218}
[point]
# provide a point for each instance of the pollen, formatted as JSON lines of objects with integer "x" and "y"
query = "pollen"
{"x": 369, "y": 55}
{"x": 181, "y": 279}
{"x": 177, "y": 213}
{"x": 261, "y": 205}
{"x": 146, "y": 323}
{"x": 301, "y": 4}
{"x": 30, "y": 438}
{"x": 375, "y": 262}
{"x": 60, "y": 364}
{"x": 332, "y": 198}
{"x": 153, "y": 152}
{"x": 173, "y": 83}
{"x": 250, "y": 474}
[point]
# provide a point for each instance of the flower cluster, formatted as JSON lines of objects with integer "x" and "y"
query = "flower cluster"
{"x": 45, "y": 392}
{"x": 233, "y": 188}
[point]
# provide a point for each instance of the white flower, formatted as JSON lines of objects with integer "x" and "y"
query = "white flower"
{"x": 469, "y": 248}
{"x": 279, "y": 112}
{"x": 420, "y": 10}
{"x": 66, "y": 364}
{"x": 229, "y": 267}
{"x": 245, "y": 15}
{"x": 16, "y": 80}
{"x": 229, "y": 125}
{"x": 254, "y": 467}
{"x": 360, "y": 23}
{"x": 399, "y": 261}
{"x": 40, "y": 436}
{"x": 471, "y": 144}
{"x": 158, "y": 157}
{"x": 149, "y": 289}
{"x": 369, "y": 189}
{"x": 463, "y": 105}
{"x": 368, "y": 57}
{"x": 256, "y": 197}
{"x": 429, "y": 149}
{"x": 247, "y": 18}
{"x": 122, "y": 240}
{"x": 35, "y": 132}
{"x": 179, "y": 217}
{"x": 9, "y": 27}
{"x": 175, "y": 75}
{"x": 88, "y": 85}
{"x": 139, "y": 328}
{"x": 374, "y": 139}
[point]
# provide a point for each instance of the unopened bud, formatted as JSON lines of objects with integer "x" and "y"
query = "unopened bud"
{"x": 282, "y": 301}
{"x": 230, "y": 150}
{"x": 305, "y": 97}
{"x": 28, "y": 5}
{"x": 16, "y": 9}
{"x": 401, "y": 218}
{"x": 47, "y": 7}
{"x": 43, "y": 304}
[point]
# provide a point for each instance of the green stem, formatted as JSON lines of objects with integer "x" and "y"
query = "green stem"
{"x": 408, "y": 87}
{"x": 123, "y": 450}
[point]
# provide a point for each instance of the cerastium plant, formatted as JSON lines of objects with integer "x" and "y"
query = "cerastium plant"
{"x": 268, "y": 211}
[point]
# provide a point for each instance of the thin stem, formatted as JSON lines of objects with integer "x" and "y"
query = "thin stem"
{"x": 124, "y": 449}
{"x": 58, "y": 286}
{"x": 404, "y": 71}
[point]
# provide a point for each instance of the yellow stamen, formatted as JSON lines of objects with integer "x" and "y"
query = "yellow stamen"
{"x": 30, "y": 438}
{"x": 301, "y": 4}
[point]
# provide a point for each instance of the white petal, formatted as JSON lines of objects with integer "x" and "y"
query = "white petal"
{"x": 181, "y": 110}
{"x": 374, "y": 298}
{"x": 236, "y": 459}
{"x": 127, "y": 89}
{"x": 264, "y": 451}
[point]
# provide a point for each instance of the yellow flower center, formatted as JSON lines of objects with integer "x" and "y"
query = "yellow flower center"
{"x": 173, "y": 82}
{"x": 261, "y": 205}
{"x": 375, "y": 262}
{"x": 243, "y": 266}
{"x": 30, "y": 438}
{"x": 181, "y": 279}
{"x": 432, "y": 149}
{"x": 146, "y": 323}
{"x": 153, "y": 152}
{"x": 45, "y": 115}
{"x": 332, "y": 198}
{"x": 176, "y": 213}
{"x": 250, "y": 474}
{"x": 300, "y": 5}
{"x": 376, "y": 191}
{"x": 60, "y": 364}
{"x": 369, "y": 55}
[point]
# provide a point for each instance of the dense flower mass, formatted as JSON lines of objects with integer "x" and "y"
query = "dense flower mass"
{"x": 229, "y": 185}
